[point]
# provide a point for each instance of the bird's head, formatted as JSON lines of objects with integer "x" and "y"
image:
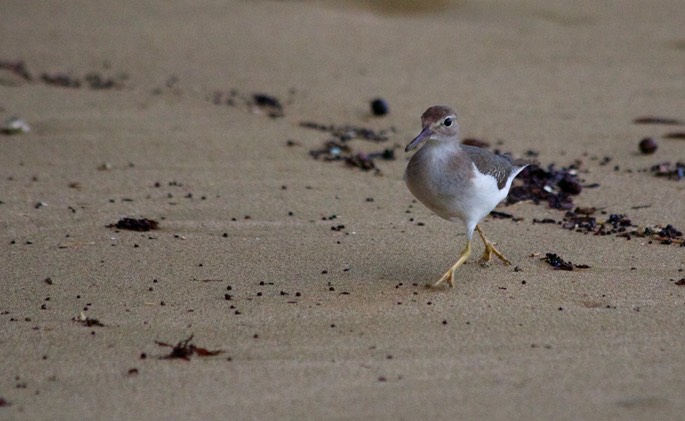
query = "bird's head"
{"x": 439, "y": 123}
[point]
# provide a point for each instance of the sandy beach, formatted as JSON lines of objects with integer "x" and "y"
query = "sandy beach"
{"x": 299, "y": 282}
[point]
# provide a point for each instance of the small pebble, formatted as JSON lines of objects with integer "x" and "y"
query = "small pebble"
{"x": 379, "y": 107}
{"x": 15, "y": 125}
{"x": 648, "y": 146}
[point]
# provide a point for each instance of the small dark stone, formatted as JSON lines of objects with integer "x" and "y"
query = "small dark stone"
{"x": 648, "y": 146}
{"x": 379, "y": 107}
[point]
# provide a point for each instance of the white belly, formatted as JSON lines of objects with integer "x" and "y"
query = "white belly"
{"x": 468, "y": 200}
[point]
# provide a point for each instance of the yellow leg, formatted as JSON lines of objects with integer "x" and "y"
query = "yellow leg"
{"x": 490, "y": 249}
{"x": 449, "y": 275}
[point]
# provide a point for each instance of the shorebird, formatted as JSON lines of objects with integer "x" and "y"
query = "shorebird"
{"x": 457, "y": 182}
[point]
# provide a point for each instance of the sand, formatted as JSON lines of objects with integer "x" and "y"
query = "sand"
{"x": 324, "y": 265}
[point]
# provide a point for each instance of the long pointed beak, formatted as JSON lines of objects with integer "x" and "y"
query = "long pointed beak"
{"x": 425, "y": 134}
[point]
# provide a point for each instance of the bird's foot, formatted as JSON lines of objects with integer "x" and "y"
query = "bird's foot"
{"x": 449, "y": 275}
{"x": 489, "y": 251}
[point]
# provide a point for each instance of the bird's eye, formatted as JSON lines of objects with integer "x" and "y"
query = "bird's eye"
{"x": 447, "y": 122}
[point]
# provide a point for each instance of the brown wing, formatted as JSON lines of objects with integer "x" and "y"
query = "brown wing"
{"x": 498, "y": 166}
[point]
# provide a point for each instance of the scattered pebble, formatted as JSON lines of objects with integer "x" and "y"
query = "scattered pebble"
{"x": 648, "y": 145}
{"x": 15, "y": 125}
{"x": 379, "y": 107}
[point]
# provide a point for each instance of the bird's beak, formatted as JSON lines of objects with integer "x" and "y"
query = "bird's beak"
{"x": 425, "y": 134}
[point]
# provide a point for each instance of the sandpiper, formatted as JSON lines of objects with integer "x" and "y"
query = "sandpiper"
{"x": 457, "y": 182}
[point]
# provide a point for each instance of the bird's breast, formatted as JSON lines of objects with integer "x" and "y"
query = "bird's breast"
{"x": 440, "y": 179}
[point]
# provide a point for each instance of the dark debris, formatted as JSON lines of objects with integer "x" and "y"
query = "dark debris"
{"x": 663, "y": 235}
{"x": 268, "y": 104}
{"x": 16, "y": 67}
{"x": 348, "y": 132}
{"x": 61, "y": 80}
{"x": 668, "y": 170}
{"x": 257, "y": 102}
{"x": 558, "y": 263}
{"x": 674, "y": 135}
{"x": 337, "y": 148}
{"x": 91, "y": 80}
{"x": 133, "y": 224}
{"x": 184, "y": 350}
{"x": 551, "y": 185}
{"x": 87, "y": 321}
{"x": 658, "y": 120}
{"x": 583, "y": 220}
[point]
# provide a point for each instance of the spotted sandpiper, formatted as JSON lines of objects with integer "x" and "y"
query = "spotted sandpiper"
{"x": 457, "y": 182}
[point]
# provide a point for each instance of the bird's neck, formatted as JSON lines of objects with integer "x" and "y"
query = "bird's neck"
{"x": 444, "y": 145}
